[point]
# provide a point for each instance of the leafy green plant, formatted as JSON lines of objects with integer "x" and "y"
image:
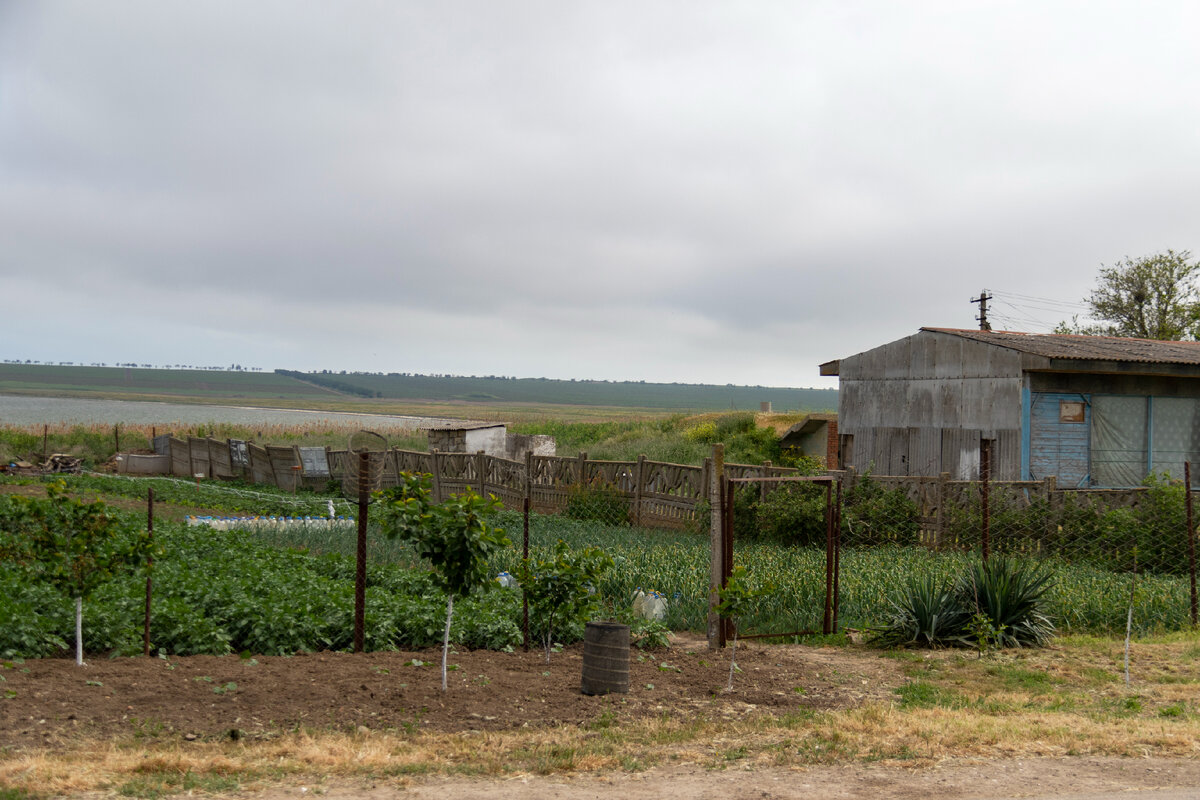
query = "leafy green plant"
{"x": 74, "y": 546}
{"x": 737, "y": 598}
{"x": 561, "y": 590}
{"x": 456, "y": 536}
{"x": 984, "y": 633}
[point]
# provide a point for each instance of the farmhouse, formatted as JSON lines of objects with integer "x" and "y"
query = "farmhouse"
{"x": 1093, "y": 411}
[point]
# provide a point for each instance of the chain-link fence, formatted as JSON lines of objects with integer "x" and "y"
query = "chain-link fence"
{"x": 1109, "y": 554}
{"x": 835, "y": 552}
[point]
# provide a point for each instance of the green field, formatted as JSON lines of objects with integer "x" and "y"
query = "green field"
{"x": 394, "y": 393}
{"x": 491, "y": 389}
{"x": 133, "y": 381}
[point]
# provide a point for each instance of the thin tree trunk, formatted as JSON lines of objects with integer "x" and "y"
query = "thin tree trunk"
{"x": 446, "y": 638}
{"x": 79, "y": 631}
{"x": 732, "y": 660}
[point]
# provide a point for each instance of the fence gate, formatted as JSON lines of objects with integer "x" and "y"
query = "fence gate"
{"x": 731, "y": 489}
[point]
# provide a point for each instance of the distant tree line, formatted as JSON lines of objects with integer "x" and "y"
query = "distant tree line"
{"x": 132, "y": 365}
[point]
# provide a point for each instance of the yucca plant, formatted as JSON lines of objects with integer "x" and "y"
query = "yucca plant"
{"x": 999, "y": 601}
{"x": 1009, "y": 593}
{"x": 925, "y": 613}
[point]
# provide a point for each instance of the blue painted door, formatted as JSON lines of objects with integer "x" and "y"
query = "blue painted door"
{"x": 1058, "y": 437}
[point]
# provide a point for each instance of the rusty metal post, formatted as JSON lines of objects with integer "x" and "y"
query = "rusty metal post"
{"x": 1191, "y": 534}
{"x": 716, "y": 548}
{"x": 827, "y": 621}
{"x": 985, "y": 475}
{"x": 727, "y": 631}
{"x": 360, "y": 573}
{"x": 525, "y": 597}
{"x": 116, "y": 438}
{"x": 149, "y": 568}
{"x": 837, "y": 556}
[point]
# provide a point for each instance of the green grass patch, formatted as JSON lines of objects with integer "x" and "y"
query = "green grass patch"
{"x": 923, "y": 694}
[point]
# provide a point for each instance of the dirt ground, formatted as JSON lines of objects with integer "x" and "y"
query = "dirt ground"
{"x": 51, "y": 700}
{"x": 51, "y": 703}
{"x": 1025, "y": 778}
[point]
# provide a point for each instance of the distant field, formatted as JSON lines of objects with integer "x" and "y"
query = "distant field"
{"x": 397, "y": 393}
{"x": 184, "y": 383}
{"x": 639, "y": 394}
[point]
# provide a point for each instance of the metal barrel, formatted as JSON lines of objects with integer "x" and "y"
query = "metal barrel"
{"x": 605, "y": 658}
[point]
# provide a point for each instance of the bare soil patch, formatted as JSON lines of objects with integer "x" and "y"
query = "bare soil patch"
{"x": 52, "y": 701}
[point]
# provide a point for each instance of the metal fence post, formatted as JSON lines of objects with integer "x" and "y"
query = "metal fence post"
{"x": 827, "y": 623}
{"x": 360, "y": 574}
{"x": 524, "y": 596}
{"x": 149, "y": 569}
{"x": 837, "y": 555}
{"x": 716, "y": 545}
{"x": 985, "y": 475}
{"x": 1191, "y": 535}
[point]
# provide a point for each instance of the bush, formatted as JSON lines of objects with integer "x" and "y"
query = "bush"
{"x": 995, "y": 603}
{"x": 794, "y": 513}
{"x": 873, "y": 515}
{"x": 603, "y": 503}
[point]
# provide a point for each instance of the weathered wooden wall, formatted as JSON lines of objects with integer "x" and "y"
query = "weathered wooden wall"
{"x": 919, "y": 406}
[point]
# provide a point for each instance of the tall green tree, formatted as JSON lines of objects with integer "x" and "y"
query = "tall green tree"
{"x": 456, "y": 536}
{"x": 1153, "y": 297}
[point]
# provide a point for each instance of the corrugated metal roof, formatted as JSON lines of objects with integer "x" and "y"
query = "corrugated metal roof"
{"x": 1085, "y": 348}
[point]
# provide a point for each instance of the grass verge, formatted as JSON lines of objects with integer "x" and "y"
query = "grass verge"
{"x": 1067, "y": 699}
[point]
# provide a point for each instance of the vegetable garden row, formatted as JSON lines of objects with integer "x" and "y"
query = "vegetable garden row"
{"x": 290, "y": 589}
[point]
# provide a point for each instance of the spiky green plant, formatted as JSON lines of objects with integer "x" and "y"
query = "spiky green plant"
{"x": 1009, "y": 593}
{"x": 927, "y": 612}
{"x": 1001, "y": 599}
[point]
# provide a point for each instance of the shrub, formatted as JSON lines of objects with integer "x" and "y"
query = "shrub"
{"x": 792, "y": 514}
{"x": 604, "y": 503}
{"x": 996, "y": 602}
{"x": 873, "y": 514}
{"x": 926, "y": 613}
{"x": 562, "y": 590}
{"x": 1008, "y": 594}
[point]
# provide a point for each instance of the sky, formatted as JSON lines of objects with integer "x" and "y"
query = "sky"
{"x": 688, "y": 191}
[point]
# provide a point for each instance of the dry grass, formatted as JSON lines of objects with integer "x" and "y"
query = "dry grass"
{"x": 1070, "y": 699}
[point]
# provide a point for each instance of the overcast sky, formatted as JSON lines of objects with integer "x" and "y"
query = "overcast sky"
{"x": 688, "y": 191}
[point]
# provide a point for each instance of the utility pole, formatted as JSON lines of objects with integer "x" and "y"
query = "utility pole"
{"x": 984, "y": 325}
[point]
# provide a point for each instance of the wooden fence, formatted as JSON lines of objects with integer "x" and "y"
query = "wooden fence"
{"x": 658, "y": 494}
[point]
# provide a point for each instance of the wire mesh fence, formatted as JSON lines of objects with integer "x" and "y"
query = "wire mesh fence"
{"x": 1116, "y": 558}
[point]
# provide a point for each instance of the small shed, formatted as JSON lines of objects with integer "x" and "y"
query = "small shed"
{"x": 816, "y": 435}
{"x": 492, "y": 438}
{"x": 470, "y": 437}
{"x": 1093, "y": 411}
